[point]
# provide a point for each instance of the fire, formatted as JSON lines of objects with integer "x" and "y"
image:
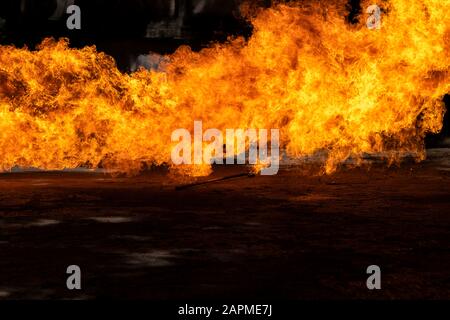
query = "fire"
{"x": 327, "y": 85}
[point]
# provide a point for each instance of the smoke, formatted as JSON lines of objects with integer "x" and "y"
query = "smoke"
{"x": 60, "y": 11}
{"x": 199, "y": 7}
{"x": 151, "y": 61}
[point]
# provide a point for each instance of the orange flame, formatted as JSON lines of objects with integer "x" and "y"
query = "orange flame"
{"x": 326, "y": 84}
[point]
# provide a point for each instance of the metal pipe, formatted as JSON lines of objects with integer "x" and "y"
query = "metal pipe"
{"x": 210, "y": 181}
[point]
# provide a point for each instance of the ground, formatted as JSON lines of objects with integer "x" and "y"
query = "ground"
{"x": 295, "y": 235}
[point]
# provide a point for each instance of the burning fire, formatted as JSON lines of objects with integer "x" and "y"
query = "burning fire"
{"x": 326, "y": 84}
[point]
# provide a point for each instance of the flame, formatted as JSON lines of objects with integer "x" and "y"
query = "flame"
{"x": 326, "y": 84}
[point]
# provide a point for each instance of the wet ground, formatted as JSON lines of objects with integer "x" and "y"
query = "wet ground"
{"x": 288, "y": 236}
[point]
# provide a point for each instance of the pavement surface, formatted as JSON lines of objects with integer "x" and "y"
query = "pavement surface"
{"x": 296, "y": 235}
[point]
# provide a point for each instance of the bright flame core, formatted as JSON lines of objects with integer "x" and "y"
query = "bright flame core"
{"x": 326, "y": 84}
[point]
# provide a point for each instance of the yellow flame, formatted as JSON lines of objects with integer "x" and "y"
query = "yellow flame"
{"x": 326, "y": 84}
